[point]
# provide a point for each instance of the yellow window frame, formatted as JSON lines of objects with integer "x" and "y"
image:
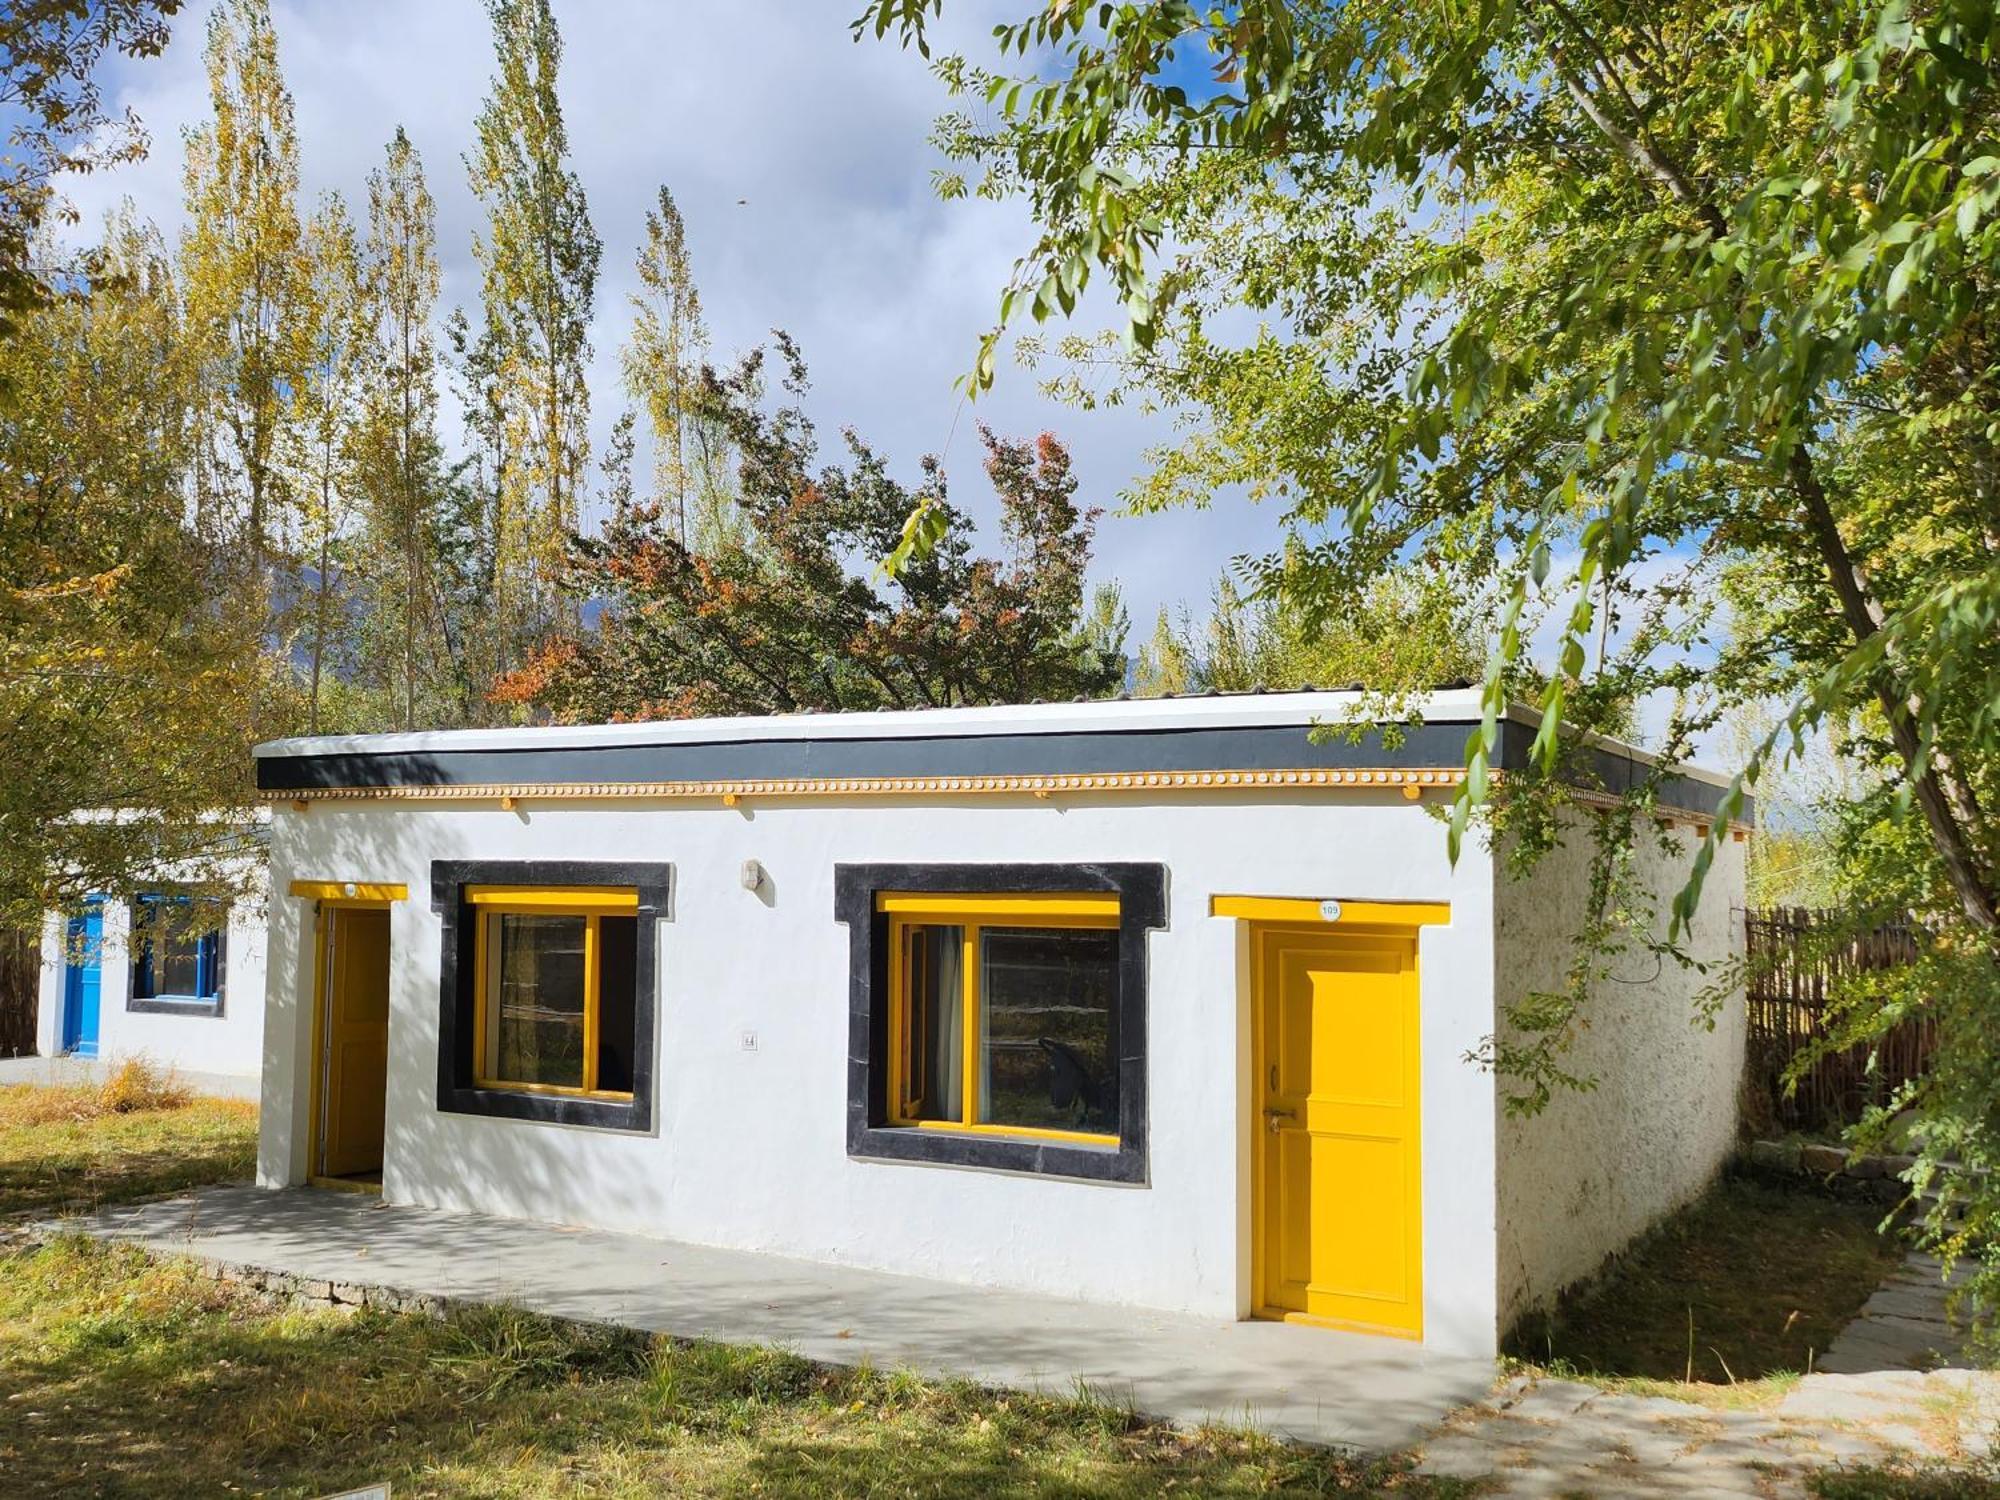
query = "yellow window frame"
{"x": 972, "y": 913}
{"x": 592, "y": 903}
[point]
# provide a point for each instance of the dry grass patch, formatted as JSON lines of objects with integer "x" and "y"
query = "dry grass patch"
{"x": 141, "y": 1133}
{"x": 134, "y": 1086}
{"x": 127, "y": 1375}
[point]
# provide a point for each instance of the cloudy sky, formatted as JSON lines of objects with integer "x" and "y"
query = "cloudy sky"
{"x": 801, "y": 163}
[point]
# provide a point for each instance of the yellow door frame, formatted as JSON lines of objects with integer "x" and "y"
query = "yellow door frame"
{"x": 327, "y": 895}
{"x": 1320, "y": 917}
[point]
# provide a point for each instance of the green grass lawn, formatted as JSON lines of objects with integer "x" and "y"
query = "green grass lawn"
{"x": 1886, "y": 1484}
{"x": 1750, "y": 1283}
{"x": 123, "y": 1375}
{"x": 68, "y": 1150}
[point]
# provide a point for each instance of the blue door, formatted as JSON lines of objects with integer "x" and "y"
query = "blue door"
{"x": 83, "y": 981}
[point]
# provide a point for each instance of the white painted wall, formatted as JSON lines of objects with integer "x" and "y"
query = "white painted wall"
{"x": 750, "y": 1147}
{"x": 228, "y": 1046}
{"x": 49, "y": 988}
{"x": 1596, "y": 1168}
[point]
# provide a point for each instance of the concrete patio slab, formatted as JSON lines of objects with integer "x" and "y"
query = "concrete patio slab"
{"x": 1307, "y": 1384}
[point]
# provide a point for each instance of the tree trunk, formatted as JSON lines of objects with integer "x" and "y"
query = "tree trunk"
{"x": 1946, "y": 803}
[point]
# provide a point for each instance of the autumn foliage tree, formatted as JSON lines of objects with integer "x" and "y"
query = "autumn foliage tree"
{"x": 786, "y": 612}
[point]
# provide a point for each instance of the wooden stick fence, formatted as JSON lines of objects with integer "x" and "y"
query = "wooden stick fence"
{"x": 1797, "y": 957}
{"x": 19, "y": 978}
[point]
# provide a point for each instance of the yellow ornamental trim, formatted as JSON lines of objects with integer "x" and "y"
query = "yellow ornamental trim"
{"x": 1409, "y": 781}
{"x": 369, "y": 892}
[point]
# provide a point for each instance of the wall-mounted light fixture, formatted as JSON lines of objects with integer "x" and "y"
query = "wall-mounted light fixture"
{"x": 753, "y": 875}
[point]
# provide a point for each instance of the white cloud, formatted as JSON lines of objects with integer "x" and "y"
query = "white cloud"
{"x": 837, "y": 236}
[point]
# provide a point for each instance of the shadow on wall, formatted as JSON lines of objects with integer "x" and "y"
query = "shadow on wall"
{"x": 435, "y": 1158}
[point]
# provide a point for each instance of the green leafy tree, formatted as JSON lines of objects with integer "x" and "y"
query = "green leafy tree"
{"x": 1107, "y": 626}
{"x": 538, "y": 259}
{"x": 1608, "y": 308}
{"x": 122, "y": 688}
{"x": 56, "y": 124}
{"x": 777, "y": 621}
{"x": 1400, "y": 638}
{"x": 1167, "y": 663}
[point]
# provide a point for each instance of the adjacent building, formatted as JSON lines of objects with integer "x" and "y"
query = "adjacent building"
{"x": 171, "y": 973}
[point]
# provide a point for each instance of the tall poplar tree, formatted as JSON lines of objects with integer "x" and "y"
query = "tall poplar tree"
{"x": 399, "y": 452}
{"x": 241, "y": 272}
{"x": 328, "y": 401}
{"x": 539, "y": 258}
{"x": 662, "y": 361}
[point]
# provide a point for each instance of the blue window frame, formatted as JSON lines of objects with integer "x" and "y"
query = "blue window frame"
{"x": 177, "y": 954}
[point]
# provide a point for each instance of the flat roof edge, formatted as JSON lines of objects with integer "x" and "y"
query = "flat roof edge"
{"x": 1143, "y": 716}
{"x": 1451, "y": 705}
{"x": 1272, "y": 746}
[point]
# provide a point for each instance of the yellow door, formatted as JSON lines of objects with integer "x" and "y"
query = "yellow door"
{"x": 354, "y": 1047}
{"x": 1339, "y": 1211}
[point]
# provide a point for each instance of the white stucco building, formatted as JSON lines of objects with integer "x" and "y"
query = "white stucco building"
{"x": 1165, "y": 1003}
{"x": 166, "y": 974}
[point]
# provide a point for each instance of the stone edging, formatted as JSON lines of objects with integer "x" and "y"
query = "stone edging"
{"x": 1858, "y": 1174}
{"x": 285, "y": 1284}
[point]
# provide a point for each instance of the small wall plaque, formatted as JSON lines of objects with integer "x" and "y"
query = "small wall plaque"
{"x": 1329, "y": 911}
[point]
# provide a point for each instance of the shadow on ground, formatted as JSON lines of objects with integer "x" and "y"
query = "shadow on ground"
{"x": 123, "y": 1375}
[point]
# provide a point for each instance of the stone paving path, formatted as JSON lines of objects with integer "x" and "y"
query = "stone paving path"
{"x": 1878, "y": 1398}
{"x": 1903, "y": 1326}
{"x": 1560, "y": 1438}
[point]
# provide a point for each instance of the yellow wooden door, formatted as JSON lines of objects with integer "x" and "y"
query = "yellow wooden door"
{"x": 356, "y": 1042}
{"x": 1339, "y": 1221}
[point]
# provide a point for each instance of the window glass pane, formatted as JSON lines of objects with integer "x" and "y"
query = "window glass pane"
{"x": 145, "y": 940}
{"x": 168, "y": 936}
{"x": 177, "y": 960}
{"x": 618, "y": 962}
{"x": 933, "y": 1023}
{"x": 535, "y": 996}
{"x": 1048, "y": 1029}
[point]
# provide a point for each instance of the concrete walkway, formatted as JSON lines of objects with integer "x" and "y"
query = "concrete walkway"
{"x": 1307, "y": 1384}
{"x": 1554, "y": 1438}
{"x": 62, "y": 1070}
{"x": 1904, "y": 1326}
{"x": 1893, "y": 1390}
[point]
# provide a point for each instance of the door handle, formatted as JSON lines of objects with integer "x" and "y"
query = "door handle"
{"x": 1273, "y": 1118}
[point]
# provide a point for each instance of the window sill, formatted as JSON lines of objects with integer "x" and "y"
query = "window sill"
{"x": 550, "y": 1090}
{"x": 1010, "y": 1132}
{"x": 545, "y": 1107}
{"x": 175, "y": 1005}
{"x": 997, "y": 1151}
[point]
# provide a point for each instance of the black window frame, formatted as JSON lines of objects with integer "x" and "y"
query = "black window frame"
{"x": 457, "y": 1091}
{"x": 140, "y": 972}
{"x": 871, "y": 1136}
